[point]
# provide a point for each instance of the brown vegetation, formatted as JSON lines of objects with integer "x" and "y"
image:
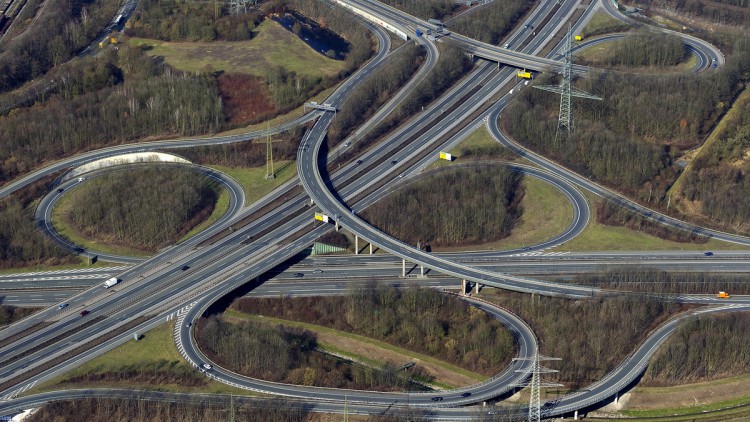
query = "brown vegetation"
{"x": 245, "y": 98}
{"x": 140, "y": 409}
{"x": 707, "y": 347}
{"x": 493, "y": 22}
{"x": 21, "y": 243}
{"x": 645, "y": 49}
{"x": 725, "y": 12}
{"x": 161, "y": 372}
{"x": 247, "y": 154}
{"x": 422, "y": 320}
{"x": 590, "y": 336}
{"x": 474, "y": 205}
{"x": 629, "y": 140}
{"x": 611, "y": 214}
{"x": 290, "y": 355}
{"x": 10, "y": 314}
{"x": 146, "y": 209}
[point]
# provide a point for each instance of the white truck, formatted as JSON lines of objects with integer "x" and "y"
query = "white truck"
{"x": 111, "y": 282}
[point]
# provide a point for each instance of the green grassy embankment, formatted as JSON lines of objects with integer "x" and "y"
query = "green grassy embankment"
{"x": 153, "y": 361}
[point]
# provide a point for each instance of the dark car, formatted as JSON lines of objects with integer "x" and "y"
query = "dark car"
{"x": 394, "y": 161}
{"x": 359, "y": 161}
{"x": 62, "y": 306}
{"x": 466, "y": 394}
{"x": 709, "y": 253}
{"x": 298, "y": 275}
{"x": 84, "y": 312}
{"x": 60, "y": 190}
{"x": 438, "y": 398}
{"x": 185, "y": 268}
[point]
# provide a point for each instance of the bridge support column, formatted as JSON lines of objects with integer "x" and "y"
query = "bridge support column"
{"x": 370, "y": 248}
{"x": 476, "y": 288}
{"x": 463, "y": 286}
{"x": 575, "y": 416}
{"x": 403, "y": 268}
{"x": 421, "y": 270}
{"x": 617, "y": 397}
{"x": 337, "y": 225}
{"x": 356, "y": 245}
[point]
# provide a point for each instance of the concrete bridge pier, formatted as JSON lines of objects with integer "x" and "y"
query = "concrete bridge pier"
{"x": 575, "y": 416}
{"x": 356, "y": 245}
{"x": 463, "y": 286}
{"x": 476, "y": 288}
{"x": 403, "y": 268}
{"x": 370, "y": 248}
{"x": 421, "y": 270}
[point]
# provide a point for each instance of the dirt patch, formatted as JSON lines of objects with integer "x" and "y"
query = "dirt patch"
{"x": 698, "y": 394}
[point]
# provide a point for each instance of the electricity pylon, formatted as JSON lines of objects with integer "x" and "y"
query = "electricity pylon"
{"x": 536, "y": 384}
{"x": 566, "y": 91}
{"x": 269, "y": 156}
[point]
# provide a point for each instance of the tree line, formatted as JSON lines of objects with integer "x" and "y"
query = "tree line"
{"x": 189, "y": 21}
{"x": 247, "y": 154}
{"x": 425, "y": 9}
{"x": 647, "y": 48}
{"x": 141, "y": 409}
{"x": 162, "y": 101}
{"x": 611, "y": 214}
{"x": 9, "y": 314}
{"x": 727, "y": 12}
{"x": 473, "y": 205}
{"x": 147, "y": 208}
{"x": 286, "y": 354}
{"x": 663, "y": 282}
{"x": 591, "y": 336}
{"x": 62, "y": 29}
{"x": 718, "y": 181}
{"x": 450, "y": 67}
{"x": 22, "y": 244}
{"x": 630, "y": 139}
{"x": 422, "y": 320}
{"x": 375, "y": 90}
{"x": 492, "y": 22}
{"x": 706, "y": 347}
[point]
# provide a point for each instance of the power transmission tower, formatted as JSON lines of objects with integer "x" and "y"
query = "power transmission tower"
{"x": 237, "y": 7}
{"x": 269, "y": 156}
{"x": 536, "y": 384}
{"x": 566, "y": 91}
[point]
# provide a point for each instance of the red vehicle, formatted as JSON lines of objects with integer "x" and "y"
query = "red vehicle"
{"x": 84, "y": 312}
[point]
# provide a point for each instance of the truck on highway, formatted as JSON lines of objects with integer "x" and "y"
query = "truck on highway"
{"x": 111, "y": 282}
{"x": 723, "y": 295}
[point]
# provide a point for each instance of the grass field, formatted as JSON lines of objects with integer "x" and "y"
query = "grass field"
{"x": 373, "y": 351}
{"x": 253, "y": 180}
{"x": 599, "y": 54}
{"x": 272, "y": 46}
{"x": 603, "y": 23}
{"x": 600, "y": 237}
{"x": 155, "y": 346}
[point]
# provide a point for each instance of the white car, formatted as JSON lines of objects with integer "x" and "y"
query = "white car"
{"x": 207, "y": 366}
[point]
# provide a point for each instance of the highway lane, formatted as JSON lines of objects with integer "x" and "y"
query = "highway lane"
{"x": 497, "y": 385}
{"x": 43, "y": 214}
{"x": 708, "y": 49}
{"x": 599, "y": 190}
{"x": 321, "y": 272}
{"x": 163, "y": 264}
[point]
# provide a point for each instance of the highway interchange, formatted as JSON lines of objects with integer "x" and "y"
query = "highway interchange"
{"x": 159, "y": 289}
